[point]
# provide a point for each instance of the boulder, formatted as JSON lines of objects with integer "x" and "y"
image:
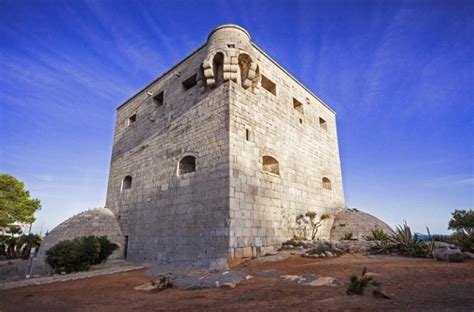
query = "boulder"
{"x": 448, "y": 254}
{"x": 468, "y": 255}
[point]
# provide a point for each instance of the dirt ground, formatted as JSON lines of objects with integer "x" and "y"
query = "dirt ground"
{"x": 412, "y": 284}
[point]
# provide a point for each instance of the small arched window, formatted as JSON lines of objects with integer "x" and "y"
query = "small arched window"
{"x": 327, "y": 183}
{"x": 271, "y": 165}
{"x": 126, "y": 183}
{"x": 187, "y": 164}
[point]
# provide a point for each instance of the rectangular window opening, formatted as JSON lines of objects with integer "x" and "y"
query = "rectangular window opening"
{"x": 247, "y": 134}
{"x": 298, "y": 105}
{"x": 132, "y": 119}
{"x": 268, "y": 85}
{"x": 190, "y": 82}
{"x": 158, "y": 99}
{"x": 323, "y": 124}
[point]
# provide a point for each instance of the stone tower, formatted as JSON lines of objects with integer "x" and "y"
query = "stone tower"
{"x": 217, "y": 158}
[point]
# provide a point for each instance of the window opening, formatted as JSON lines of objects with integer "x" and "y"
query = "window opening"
{"x": 187, "y": 164}
{"x": 190, "y": 82}
{"x": 271, "y": 165}
{"x": 268, "y": 85}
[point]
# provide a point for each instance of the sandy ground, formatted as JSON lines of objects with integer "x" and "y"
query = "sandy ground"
{"x": 413, "y": 284}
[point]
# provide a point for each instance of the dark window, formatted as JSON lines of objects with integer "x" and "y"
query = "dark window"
{"x": 127, "y": 183}
{"x": 297, "y": 105}
{"x": 159, "y": 98}
{"x": 218, "y": 67}
{"x": 190, "y": 82}
{"x": 132, "y": 119}
{"x": 247, "y": 134}
{"x": 327, "y": 183}
{"x": 270, "y": 164}
{"x": 187, "y": 164}
{"x": 323, "y": 124}
{"x": 268, "y": 85}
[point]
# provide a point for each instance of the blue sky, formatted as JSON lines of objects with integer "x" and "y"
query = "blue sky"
{"x": 399, "y": 74}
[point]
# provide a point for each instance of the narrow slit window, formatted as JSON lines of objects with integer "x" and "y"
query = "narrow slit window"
{"x": 126, "y": 183}
{"x": 271, "y": 165}
{"x": 190, "y": 82}
{"x": 323, "y": 124}
{"x": 298, "y": 106}
{"x": 187, "y": 164}
{"x": 247, "y": 134}
{"x": 327, "y": 183}
{"x": 159, "y": 98}
{"x": 132, "y": 119}
{"x": 268, "y": 85}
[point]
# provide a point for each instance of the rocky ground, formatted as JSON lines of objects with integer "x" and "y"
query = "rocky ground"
{"x": 294, "y": 283}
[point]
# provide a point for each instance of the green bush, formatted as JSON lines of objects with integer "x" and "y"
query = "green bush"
{"x": 358, "y": 285}
{"x": 79, "y": 254}
{"x": 462, "y": 223}
{"x": 348, "y": 236}
{"x": 377, "y": 235}
{"x": 403, "y": 242}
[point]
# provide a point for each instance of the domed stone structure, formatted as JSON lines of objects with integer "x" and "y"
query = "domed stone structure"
{"x": 359, "y": 223}
{"x": 98, "y": 222}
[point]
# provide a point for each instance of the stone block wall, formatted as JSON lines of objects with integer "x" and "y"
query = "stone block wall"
{"x": 264, "y": 205}
{"x": 166, "y": 216}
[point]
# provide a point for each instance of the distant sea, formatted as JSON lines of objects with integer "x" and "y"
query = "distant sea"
{"x": 426, "y": 237}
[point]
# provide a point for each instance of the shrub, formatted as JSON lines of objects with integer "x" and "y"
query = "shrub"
{"x": 462, "y": 223}
{"x": 315, "y": 224}
{"x": 79, "y": 254}
{"x": 403, "y": 242}
{"x": 377, "y": 235}
{"x": 358, "y": 285}
{"x": 348, "y": 236}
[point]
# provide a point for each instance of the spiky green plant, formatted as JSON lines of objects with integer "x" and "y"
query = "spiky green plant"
{"x": 379, "y": 235}
{"x": 348, "y": 236}
{"x": 403, "y": 242}
{"x": 358, "y": 285}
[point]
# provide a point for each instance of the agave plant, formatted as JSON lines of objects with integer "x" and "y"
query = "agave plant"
{"x": 404, "y": 239}
{"x": 358, "y": 285}
{"x": 403, "y": 242}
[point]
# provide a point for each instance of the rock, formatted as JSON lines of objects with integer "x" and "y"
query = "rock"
{"x": 445, "y": 245}
{"x": 277, "y": 257}
{"x": 228, "y": 279}
{"x": 267, "y": 273}
{"x": 468, "y": 255}
{"x": 448, "y": 254}
{"x": 329, "y": 254}
{"x": 312, "y": 280}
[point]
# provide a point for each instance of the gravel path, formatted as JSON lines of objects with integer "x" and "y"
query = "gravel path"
{"x": 67, "y": 277}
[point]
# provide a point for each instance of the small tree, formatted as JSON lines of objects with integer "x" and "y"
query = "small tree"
{"x": 462, "y": 223}
{"x": 16, "y": 205}
{"x": 315, "y": 224}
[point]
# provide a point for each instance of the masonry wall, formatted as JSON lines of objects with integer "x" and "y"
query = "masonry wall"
{"x": 264, "y": 206}
{"x": 167, "y": 217}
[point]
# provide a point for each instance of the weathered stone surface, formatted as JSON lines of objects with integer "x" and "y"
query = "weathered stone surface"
{"x": 227, "y": 279}
{"x": 468, "y": 255}
{"x": 448, "y": 254}
{"x": 313, "y": 280}
{"x": 359, "y": 223}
